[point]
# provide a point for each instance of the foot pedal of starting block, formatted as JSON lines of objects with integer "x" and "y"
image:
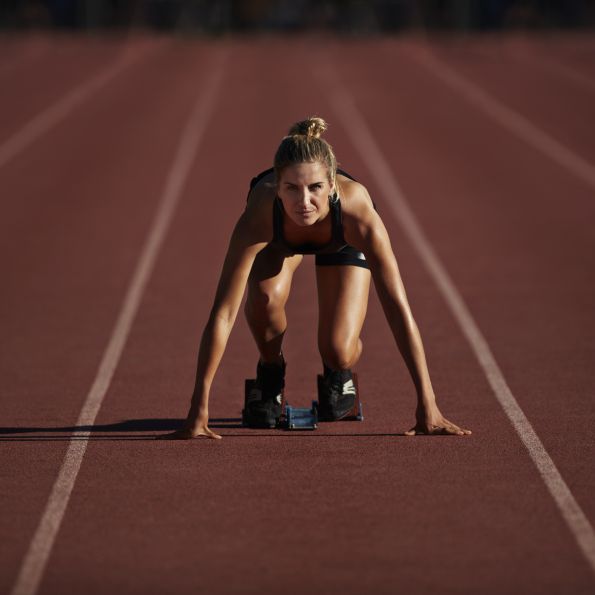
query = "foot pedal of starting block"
{"x": 301, "y": 418}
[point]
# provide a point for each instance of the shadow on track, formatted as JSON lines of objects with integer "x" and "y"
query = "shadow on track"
{"x": 130, "y": 425}
{"x": 123, "y": 431}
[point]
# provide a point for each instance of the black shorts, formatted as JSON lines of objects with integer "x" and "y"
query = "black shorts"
{"x": 347, "y": 256}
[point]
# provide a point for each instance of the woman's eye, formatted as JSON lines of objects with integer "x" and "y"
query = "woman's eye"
{"x": 316, "y": 187}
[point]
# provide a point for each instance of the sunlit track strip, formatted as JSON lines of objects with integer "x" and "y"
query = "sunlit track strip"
{"x": 35, "y": 561}
{"x": 503, "y": 115}
{"x": 362, "y": 139}
{"x": 51, "y": 116}
{"x": 538, "y": 57}
{"x": 568, "y": 72}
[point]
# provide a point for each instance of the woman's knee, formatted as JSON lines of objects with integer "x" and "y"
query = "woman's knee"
{"x": 265, "y": 299}
{"x": 340, "y": 354}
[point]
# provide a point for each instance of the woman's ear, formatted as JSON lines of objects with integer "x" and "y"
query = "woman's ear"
{"x": 332, "y": 191}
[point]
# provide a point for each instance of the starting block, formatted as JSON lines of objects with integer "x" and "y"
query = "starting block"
{"x": 299, "y": 418}
{"x": 356, "y": 414}
{"x": 292, "y": 418}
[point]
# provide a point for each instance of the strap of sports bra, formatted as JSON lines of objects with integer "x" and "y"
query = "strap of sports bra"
{"x": 342, "y": 172}
{"x": 259, "y": 177}
{"x": 335, "y": 206}
{"x": 278, "y": 221}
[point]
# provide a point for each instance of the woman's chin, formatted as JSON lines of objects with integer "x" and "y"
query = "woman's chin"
{"x": 305, "y": 220}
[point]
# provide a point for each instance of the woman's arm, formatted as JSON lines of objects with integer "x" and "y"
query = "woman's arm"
{"x": 365, "y": 230}
{"x": 244, "y": 245}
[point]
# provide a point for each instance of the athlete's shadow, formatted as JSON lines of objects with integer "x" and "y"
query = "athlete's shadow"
{"x": 146, "y": 429}
{"x": 122, "y": 427}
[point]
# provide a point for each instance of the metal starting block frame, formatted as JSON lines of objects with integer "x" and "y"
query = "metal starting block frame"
{"x": 300, "y": 418}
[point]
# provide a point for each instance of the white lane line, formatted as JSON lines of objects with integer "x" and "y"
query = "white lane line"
{"x": 35, "y": 561}
{"x": 505, "y": 116}
{"x": 52, "y": 115}
{"x": 362, "y": 139}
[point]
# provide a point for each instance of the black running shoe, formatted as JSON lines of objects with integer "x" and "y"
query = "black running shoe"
{"x": 264, "y": 406}
{"x": 336, "y": 394}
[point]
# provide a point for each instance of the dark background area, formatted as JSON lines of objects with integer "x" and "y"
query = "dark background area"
{"x": 348, "y": 16}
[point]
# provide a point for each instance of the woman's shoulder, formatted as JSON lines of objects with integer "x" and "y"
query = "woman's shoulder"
{"x": 265, "y": 178}
{"x": 262, "y": 191}
{"x": 355, "y": 198}
{"x": 259, "y": 203}
{"x": 359, "y": 215}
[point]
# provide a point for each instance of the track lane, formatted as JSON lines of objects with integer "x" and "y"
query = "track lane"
{"x": 75, "y": 255}
{"x": 199, "y": 514}
{"x": 57, "y": 111}
{"x": 35, "y": 562}
{"x": 558, "y": 107}
{"x": 545, "y": 221}
{"x": 442, "y": 175}
{"x": 363, "y": 139}
{"x": 32, "y": 85}
{"x": 537, "y": 55}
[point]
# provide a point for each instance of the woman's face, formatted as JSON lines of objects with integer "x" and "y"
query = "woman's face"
{"x": 304, "y": 189}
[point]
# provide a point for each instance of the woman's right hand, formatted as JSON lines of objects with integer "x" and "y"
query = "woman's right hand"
{"x": 192, "y": 430}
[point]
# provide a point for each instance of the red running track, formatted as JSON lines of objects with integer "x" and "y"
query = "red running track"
{"x": 350, "y": 508}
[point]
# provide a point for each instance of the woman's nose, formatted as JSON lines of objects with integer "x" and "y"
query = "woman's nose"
{"x": 305, "y": 197}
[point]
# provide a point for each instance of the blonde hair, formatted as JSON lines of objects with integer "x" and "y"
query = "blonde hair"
{"x": 304, "y": 145}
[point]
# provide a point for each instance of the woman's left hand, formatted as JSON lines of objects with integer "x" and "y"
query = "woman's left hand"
{"x": 433, "y": 423}
{"x": 188, "y": 434}
{"x": 193, "y": 428}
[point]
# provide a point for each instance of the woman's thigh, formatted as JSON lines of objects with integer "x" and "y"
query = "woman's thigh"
{"x": 270, "y": 279}
{"x": 343, "y": 302}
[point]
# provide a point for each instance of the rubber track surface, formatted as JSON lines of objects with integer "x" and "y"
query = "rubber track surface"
{"x": 350, "y": 508}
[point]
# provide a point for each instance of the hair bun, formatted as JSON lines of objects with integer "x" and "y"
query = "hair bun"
{"x": 312, "y": 127}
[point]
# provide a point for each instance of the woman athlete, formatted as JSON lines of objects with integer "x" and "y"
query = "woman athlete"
{"x": 305, "y": 205}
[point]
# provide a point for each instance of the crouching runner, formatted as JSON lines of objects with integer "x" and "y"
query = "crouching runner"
{"x": 305, "y": 205}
